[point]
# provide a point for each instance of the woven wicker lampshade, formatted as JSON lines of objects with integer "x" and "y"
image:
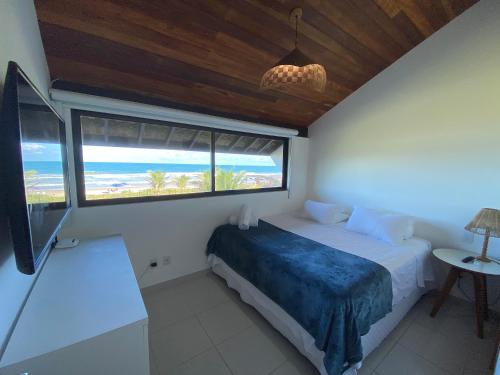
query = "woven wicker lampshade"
{"x": 295, "y": 69}
{"x": 486, "y": 223}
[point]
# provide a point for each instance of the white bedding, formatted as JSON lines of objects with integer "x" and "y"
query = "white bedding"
{"x": 409, "y": 264}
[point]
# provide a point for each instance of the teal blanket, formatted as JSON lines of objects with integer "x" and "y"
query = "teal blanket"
{"x": 333, "y": 295}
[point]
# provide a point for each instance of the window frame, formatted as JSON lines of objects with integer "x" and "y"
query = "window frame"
{"x": 79, "y": 167}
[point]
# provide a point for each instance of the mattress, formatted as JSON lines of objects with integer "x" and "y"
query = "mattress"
{"x": 408, "y": 265}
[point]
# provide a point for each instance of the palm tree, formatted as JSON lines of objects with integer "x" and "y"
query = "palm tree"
{"x": 157, "y": 181}
{"x": 206, "y": 181}
{"x": 229, "y": 180}
{"x": 181, "y": 181}
{"x": 224, "y": 180}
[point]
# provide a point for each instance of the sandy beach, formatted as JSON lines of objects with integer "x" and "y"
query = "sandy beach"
{"x": 99, "y": 184}
{"x": 140, "y": 183}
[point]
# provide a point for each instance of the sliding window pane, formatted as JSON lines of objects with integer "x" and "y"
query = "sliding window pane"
{"x": 248, "y": 162}
{"x": 133, "y": 159}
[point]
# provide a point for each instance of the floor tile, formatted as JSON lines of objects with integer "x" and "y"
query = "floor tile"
{"x": 178, "y": 343}
{"x": 207, "y": 363}
{"x": 224, "y": 321}
{"x": 421, "y": 314}
{"x": 478, "y": 345}
{"x": 457, "y": 319}
{"x": 380, "y": 352}
{"x": 447, "y": 352}
{"x": 365, "y": 370}
{"x": 289, "y": 368}
{"x": 166, "y": 307}
{"x": 480, "y": 356}
{"x": 188, "y": 318}
{"x": 478, "y": 362}
{"x": 403, "y": 361}
{"x": 302, "y": 365}
{"x": 279, "y": 341}
{"x": 458, "y": 327}
{"x": 203, "y": 293}
{"x": 464, "y": 327}
{"x": 286, "y": 348}
{"x": 286, "y": 369}
{"x": 251, "y": 312}
{"x": 251, "y": 353}
{"x": 417, "y": 337}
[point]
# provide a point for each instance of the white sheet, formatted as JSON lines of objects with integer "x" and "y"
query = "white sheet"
{"x": 409, "y": 264}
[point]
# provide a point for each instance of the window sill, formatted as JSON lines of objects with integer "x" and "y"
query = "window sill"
{"x": 115, "y": 201}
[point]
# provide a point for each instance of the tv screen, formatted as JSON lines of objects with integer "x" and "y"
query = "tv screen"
{"x": 35, "y": 169}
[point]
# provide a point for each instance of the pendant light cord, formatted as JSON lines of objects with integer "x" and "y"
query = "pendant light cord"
{"x": 296, "y": 30}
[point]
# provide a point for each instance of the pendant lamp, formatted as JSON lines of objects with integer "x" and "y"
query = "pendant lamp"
{"x": 295, "y": 69}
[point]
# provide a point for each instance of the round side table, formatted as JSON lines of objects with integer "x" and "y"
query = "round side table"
{"x": 479, "y": 271}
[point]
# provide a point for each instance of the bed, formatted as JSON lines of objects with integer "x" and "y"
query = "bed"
{"x": 395, "y": 278}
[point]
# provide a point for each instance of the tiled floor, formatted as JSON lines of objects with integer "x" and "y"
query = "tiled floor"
{"x": 200, "y": 326}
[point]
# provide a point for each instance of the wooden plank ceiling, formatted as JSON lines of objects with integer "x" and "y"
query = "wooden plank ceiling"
{"x": 209, "y": 55}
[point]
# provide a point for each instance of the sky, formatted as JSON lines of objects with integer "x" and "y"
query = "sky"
{"x": 51, "y": 152}
{"x": 41, "y": 151}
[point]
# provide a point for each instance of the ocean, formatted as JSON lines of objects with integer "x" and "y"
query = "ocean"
{"x": 100, "y": 175}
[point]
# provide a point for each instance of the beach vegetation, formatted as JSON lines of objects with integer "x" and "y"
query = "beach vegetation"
{"x": 34, "y": 196}
{"x": 182, "y": 181}
{"x": 225, "y": 180}
{"x": 206, "y": 181}
{"x": 157, "y": 181}
{"x": 229, "y": 180}
{"x": 30, "y": 179}
{"x": 43, "y": 197}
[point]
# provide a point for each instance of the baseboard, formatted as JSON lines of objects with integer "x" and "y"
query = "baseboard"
{"x": 169, "y": 283}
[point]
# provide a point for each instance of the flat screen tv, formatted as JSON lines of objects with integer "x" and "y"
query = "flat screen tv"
{"x": 34, "y": 169}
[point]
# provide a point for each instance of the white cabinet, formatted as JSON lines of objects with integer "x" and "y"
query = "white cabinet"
{"x": 85, "y": 315}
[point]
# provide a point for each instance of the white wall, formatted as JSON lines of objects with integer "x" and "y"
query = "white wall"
{"x": 20, "y": 41}
{"x": 423, "y": 137}
{"x": 181, "y": 228}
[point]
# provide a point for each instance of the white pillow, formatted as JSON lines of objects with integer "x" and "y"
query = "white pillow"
{"x": 387, "y": 227}
{"x": 363, "y": 220}
{"x": 324, "y": 213}
{"x": 394, "y": 229}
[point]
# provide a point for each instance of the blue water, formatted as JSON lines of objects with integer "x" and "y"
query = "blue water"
{"x": 54, "y": 167}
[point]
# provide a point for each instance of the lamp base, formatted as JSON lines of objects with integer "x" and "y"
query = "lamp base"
{"x": 483, "y": 259}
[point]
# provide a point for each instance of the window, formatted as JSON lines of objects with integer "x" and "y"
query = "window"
{"x": 122, "y": 159}
{"x": 244, "y": 161}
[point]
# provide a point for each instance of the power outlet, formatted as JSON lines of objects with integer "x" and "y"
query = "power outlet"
{"x": 166, "y": 260}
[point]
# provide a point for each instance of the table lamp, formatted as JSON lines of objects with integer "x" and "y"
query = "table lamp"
{"x": 486, "y": 223}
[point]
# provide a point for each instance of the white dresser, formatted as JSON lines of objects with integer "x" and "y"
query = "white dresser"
{"x": 84, "y": 316}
